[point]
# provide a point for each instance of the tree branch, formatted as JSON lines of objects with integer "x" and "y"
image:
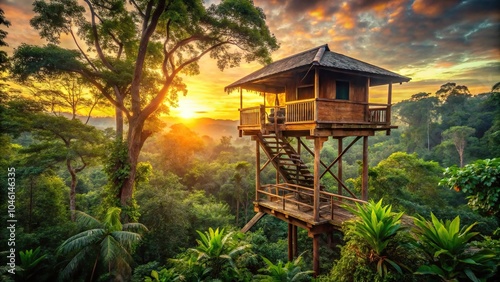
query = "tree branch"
{"x": 104, "y": 92}
{"x": 139, "y": 11}
{"x": 141, "y": 56}
{"x": 155, "y": 102}
{"x": 97, "y": 45}
{"x": 81, "y": 50}
{"x": 77, "y": 170}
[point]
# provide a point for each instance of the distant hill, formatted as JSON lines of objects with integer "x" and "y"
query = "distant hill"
{"x": 215, "y": 128}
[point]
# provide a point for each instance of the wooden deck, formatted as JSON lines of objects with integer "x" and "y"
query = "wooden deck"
{"x": 293, "y": 204}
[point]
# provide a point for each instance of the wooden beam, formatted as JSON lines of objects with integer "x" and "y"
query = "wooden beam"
{"x": 316, "y": 91}
{"x": 339, "y": 157}
{"x": 389, "y": 101}
{"x": 257, "y": 170}
{"x": 339, "y": 165}
{"x": 290, "y": 242}
{"x": 326, "y": 167}
{"x": 294, "y": 241}
{"x": 241, "y": 98}
{"x": 316, "y": 255}
{"x": 364, "y": 186}
{"x": 318, "y": 144}
{"x": 253, "y": 221}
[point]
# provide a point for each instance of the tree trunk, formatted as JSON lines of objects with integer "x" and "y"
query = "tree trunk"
{"x": 237, "y": 211}
{"x": 118, "y": 114}
{"x": 72, "y": 190}
{"x": 135, "y": 140}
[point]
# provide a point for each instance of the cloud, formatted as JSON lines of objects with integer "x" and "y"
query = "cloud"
{"x": 433, "y": 8}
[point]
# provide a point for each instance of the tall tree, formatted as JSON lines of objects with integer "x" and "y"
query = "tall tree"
{"x": 137, "y": 52}
{"x": 3, "y": 55}
{"x": 454, "y": 109}
{"x": 60, "y": 140}
{"x": 458, "y": 136}
{"x": 67, "y": 93}
{"x": 418, "y": 112}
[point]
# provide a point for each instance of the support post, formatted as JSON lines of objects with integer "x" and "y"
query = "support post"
{"x": 389, "y": 102}
{"x": 290, "y": 242}
{"x": 316, "y": 91}
{"x": 318, "y": 144}
{"x": 257, "y": 170}
{"x": 294, "y": 240}
{"x": 316, "y": 255}
{"x": 339, "y": 165}
{"x": 364, "y": 186}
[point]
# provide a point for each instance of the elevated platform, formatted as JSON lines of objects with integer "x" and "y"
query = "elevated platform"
{"x": 293, "y": 204}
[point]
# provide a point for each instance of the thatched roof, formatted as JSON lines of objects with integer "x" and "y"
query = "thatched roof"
{"x": 267, "y": 78}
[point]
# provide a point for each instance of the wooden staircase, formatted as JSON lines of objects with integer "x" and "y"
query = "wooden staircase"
{"x": 286, "y": 160}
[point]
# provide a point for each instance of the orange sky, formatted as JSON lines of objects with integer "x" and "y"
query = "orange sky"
{"x": 433, "y": 42}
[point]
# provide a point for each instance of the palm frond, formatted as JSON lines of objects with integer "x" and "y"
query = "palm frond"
{"x": 80, "y": 240}
{"x": 74, "y": 263}
{"x": 87, "y": 221}
{"x": 112, "y": 219}
{"x": 126, "y": 238}
{"x": 135, "y": 226}
{"x": 110, "y": 249}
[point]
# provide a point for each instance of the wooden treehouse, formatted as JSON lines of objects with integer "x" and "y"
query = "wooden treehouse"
{"x": 316, "y": 94}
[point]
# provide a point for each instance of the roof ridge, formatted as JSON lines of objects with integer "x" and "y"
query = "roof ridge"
{"x": 319, "y": 54}
{"x": 303, "y": 52}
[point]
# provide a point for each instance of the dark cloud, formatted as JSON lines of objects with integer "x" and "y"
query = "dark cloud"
{"x": 433, "y": 8}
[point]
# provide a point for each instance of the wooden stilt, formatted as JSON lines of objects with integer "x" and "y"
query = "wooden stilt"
{"x": 364, "y": 186}
{"x": 339, "y": 165}
{"x": 316, "y": 255}
{"x": 290, "y": 242}
{"x": 257, "y": 170}
{"x": 294, "y": 241}
{"x": 318, "y": 143}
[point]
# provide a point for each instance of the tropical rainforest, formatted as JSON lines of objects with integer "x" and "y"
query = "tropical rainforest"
{"x": 149, "y": 201}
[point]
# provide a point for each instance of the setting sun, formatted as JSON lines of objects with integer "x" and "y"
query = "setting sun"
{"x": 188, "y": 108}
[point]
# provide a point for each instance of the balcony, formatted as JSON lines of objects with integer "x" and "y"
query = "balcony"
{"x": 315, "y": 113}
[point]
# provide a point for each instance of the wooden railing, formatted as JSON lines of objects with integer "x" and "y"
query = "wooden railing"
{"x": 303, "y": 111}
{"x": 292, "y": 196}
{"x": 300, "y": 111}
{"x": 252, "y": 116}
{"x": 378, "y": 114}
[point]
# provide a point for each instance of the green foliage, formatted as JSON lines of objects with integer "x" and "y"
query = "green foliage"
{"x": 284, "y": 272}
{"x": 30, "y": 262}
{"x": 110, "y": 242}
{"x": 164, "y": 275}
{"x": 458, "y": 136}
{"x": 354, "y": 263}
{"x": 447, "y": 246}
{"x": 406, "y": 181}
{"x": 480, "y": 181}
{"x": 41, "y": 204}
{"x": 377, "y": 225}
{"x": 117, "y": 167}
{"x": 214, "y": 257}
{"x": 51, "y": 60}
{"x": 164, "y": 211}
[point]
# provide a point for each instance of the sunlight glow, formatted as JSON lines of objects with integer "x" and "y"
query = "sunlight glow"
{"x": 189, "y": 108}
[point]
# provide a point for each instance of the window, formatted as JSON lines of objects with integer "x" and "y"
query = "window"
{"x": 342, "y": 90}
{"x": 305, "y": 92}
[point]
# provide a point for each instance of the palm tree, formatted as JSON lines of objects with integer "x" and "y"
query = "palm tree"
{"x": 109, "y": 242}
{"x": 216, "y": 251}
{"x": 377, "y": 225}
{"x": 288, "y": 272}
